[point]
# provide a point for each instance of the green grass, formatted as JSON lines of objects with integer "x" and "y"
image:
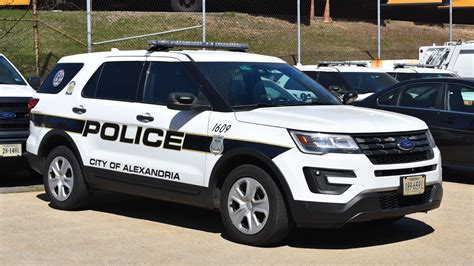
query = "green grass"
{"x": 267, "y": 35}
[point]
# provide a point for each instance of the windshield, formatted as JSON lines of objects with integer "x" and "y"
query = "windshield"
{"x": 253, "y": 85}
{"x": 366, "y": 82}
{"x": 8, "y": 75}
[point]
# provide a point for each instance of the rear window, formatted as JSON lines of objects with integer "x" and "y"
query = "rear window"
{"x": 115, "y": 81}
{"x": 59, "y": 77}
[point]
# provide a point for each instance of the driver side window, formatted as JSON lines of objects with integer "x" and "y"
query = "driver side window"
{"x": 164, "y": 78}
{"x": 420, "y": 95}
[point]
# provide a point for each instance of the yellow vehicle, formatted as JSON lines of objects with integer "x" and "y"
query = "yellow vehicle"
{"x": 439, "y": 3}
{"x": 14, "y": 2}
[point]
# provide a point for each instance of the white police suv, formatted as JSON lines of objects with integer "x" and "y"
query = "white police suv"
{"x": 243, "y": 133}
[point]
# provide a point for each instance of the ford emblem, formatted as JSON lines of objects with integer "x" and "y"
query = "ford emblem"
{"x": 406, "y": 145}
{"x": 7, "y": 115}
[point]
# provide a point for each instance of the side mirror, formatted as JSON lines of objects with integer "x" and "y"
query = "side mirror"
{"x": 184, "y": 102}
{"x": 35, "y": 82}
{"x": 349, "y": 97}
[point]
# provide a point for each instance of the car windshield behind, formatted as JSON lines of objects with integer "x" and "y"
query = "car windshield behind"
{"x": 253, "y": 85}
{"x": 436, "y": 75}
{"x": 8, "y": 75}
{"x": 366, "y": 82}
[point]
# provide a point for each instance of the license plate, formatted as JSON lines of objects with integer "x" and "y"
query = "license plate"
{"x": 413, "y": 185}
{"x": 10, "y": 150}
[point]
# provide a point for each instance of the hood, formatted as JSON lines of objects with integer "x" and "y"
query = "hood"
{"x": 332, "y": 119}
{"x": 16, "y": 91}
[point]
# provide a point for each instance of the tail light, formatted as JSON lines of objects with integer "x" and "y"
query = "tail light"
{"x": 31, "y": 104}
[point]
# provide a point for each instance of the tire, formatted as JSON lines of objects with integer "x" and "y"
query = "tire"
{"x": 274, "y": 222}
{"x": 186, "y": 5}
{"x": 63, "y": 180}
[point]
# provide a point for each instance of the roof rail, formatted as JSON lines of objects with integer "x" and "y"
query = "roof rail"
{"x": 164, "y": 45}
{"x": 341, "y": 63}
{"x": 404, "y": 65}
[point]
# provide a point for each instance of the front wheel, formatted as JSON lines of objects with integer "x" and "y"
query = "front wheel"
{"x": 252, "y": 207}
{"x": 63, "y": 180}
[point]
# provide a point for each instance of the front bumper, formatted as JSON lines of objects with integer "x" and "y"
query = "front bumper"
{"x": 364, "y": 207}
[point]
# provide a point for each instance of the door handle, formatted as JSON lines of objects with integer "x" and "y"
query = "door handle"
{"x": 146, "y": 118}
{"x": 79, "y": 110}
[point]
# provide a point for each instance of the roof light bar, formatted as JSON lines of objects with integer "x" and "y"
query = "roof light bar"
{"x": 342, "y": 63}
{"x": 164, "y": 45}
{"x": 404, "y": 65}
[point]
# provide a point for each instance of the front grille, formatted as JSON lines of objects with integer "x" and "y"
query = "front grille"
{"x": 19, "y": 106}
{"x": 393, "y": 200}
{"x": 383, "y": 149}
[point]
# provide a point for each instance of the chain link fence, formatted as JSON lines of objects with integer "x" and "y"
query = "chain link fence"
{"x": 268, "y": 26}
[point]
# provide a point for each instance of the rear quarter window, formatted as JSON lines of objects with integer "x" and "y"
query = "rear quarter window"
{"x": 59, "y": 77}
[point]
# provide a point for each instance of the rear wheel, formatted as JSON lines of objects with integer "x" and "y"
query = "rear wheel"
{"x": 186, "y": 5}
{"x": 63, "y": 180}
{"x": 252, "y": 207}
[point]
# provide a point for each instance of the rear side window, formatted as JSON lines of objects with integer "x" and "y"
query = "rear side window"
{"x": 460, "y": 98}
{"x": 115, "y": 81}
{"x": 59, "y": 77}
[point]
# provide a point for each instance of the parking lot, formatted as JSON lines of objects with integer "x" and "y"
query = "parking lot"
{"x": 121, "y": 229}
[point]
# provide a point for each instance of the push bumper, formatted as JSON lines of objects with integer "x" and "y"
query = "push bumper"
{"x": 364, "y": 207}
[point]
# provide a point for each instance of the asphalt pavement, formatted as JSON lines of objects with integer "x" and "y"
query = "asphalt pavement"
{"x": 121, "y": 229}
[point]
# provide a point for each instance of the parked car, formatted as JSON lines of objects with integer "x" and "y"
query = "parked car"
{"x": 15, "y": 92}
{"x": 445, "y": 104}
{"x": 342, "y": 77}
{"x": 224, "y": 130}
{"x": 402, "y": 72}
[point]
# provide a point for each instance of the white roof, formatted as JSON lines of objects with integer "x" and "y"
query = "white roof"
{"x": 419, "y": 70}
{"x": 196, "y": 55}
{"x": 339, "y": 68}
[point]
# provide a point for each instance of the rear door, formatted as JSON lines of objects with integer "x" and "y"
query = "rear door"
{"x": 457, "y": 123}
{"x": 107, "y": 105}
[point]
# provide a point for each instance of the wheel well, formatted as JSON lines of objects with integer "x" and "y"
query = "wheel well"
{"x": 53, "y": 140}
{"x": 231, "y": 163}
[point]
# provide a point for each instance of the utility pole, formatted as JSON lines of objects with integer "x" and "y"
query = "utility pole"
{"x": 203, "y": 21}
{"x": 379, "y": 40}
{"x": 89, "y": 25}
{"x": 298, "y": 21}
{"x": 450, "y": 20}
{"x": 36, "y": 37}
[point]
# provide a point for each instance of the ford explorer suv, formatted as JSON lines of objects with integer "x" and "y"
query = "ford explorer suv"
{"x": 342, "y": 77}
{"x": 14, "y": 122}
{"x": 224, "y": 130}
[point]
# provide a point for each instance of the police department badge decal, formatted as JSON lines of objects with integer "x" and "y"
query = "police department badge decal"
{"x": 217, "y": 145}
{"x": 58, "y": 78}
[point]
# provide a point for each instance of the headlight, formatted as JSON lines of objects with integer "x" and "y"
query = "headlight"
{"x": 319, "y": 143}
{"x": 430, "y": 139}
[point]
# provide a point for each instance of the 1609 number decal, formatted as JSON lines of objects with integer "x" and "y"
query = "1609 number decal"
{"x": 221, "y": 128}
